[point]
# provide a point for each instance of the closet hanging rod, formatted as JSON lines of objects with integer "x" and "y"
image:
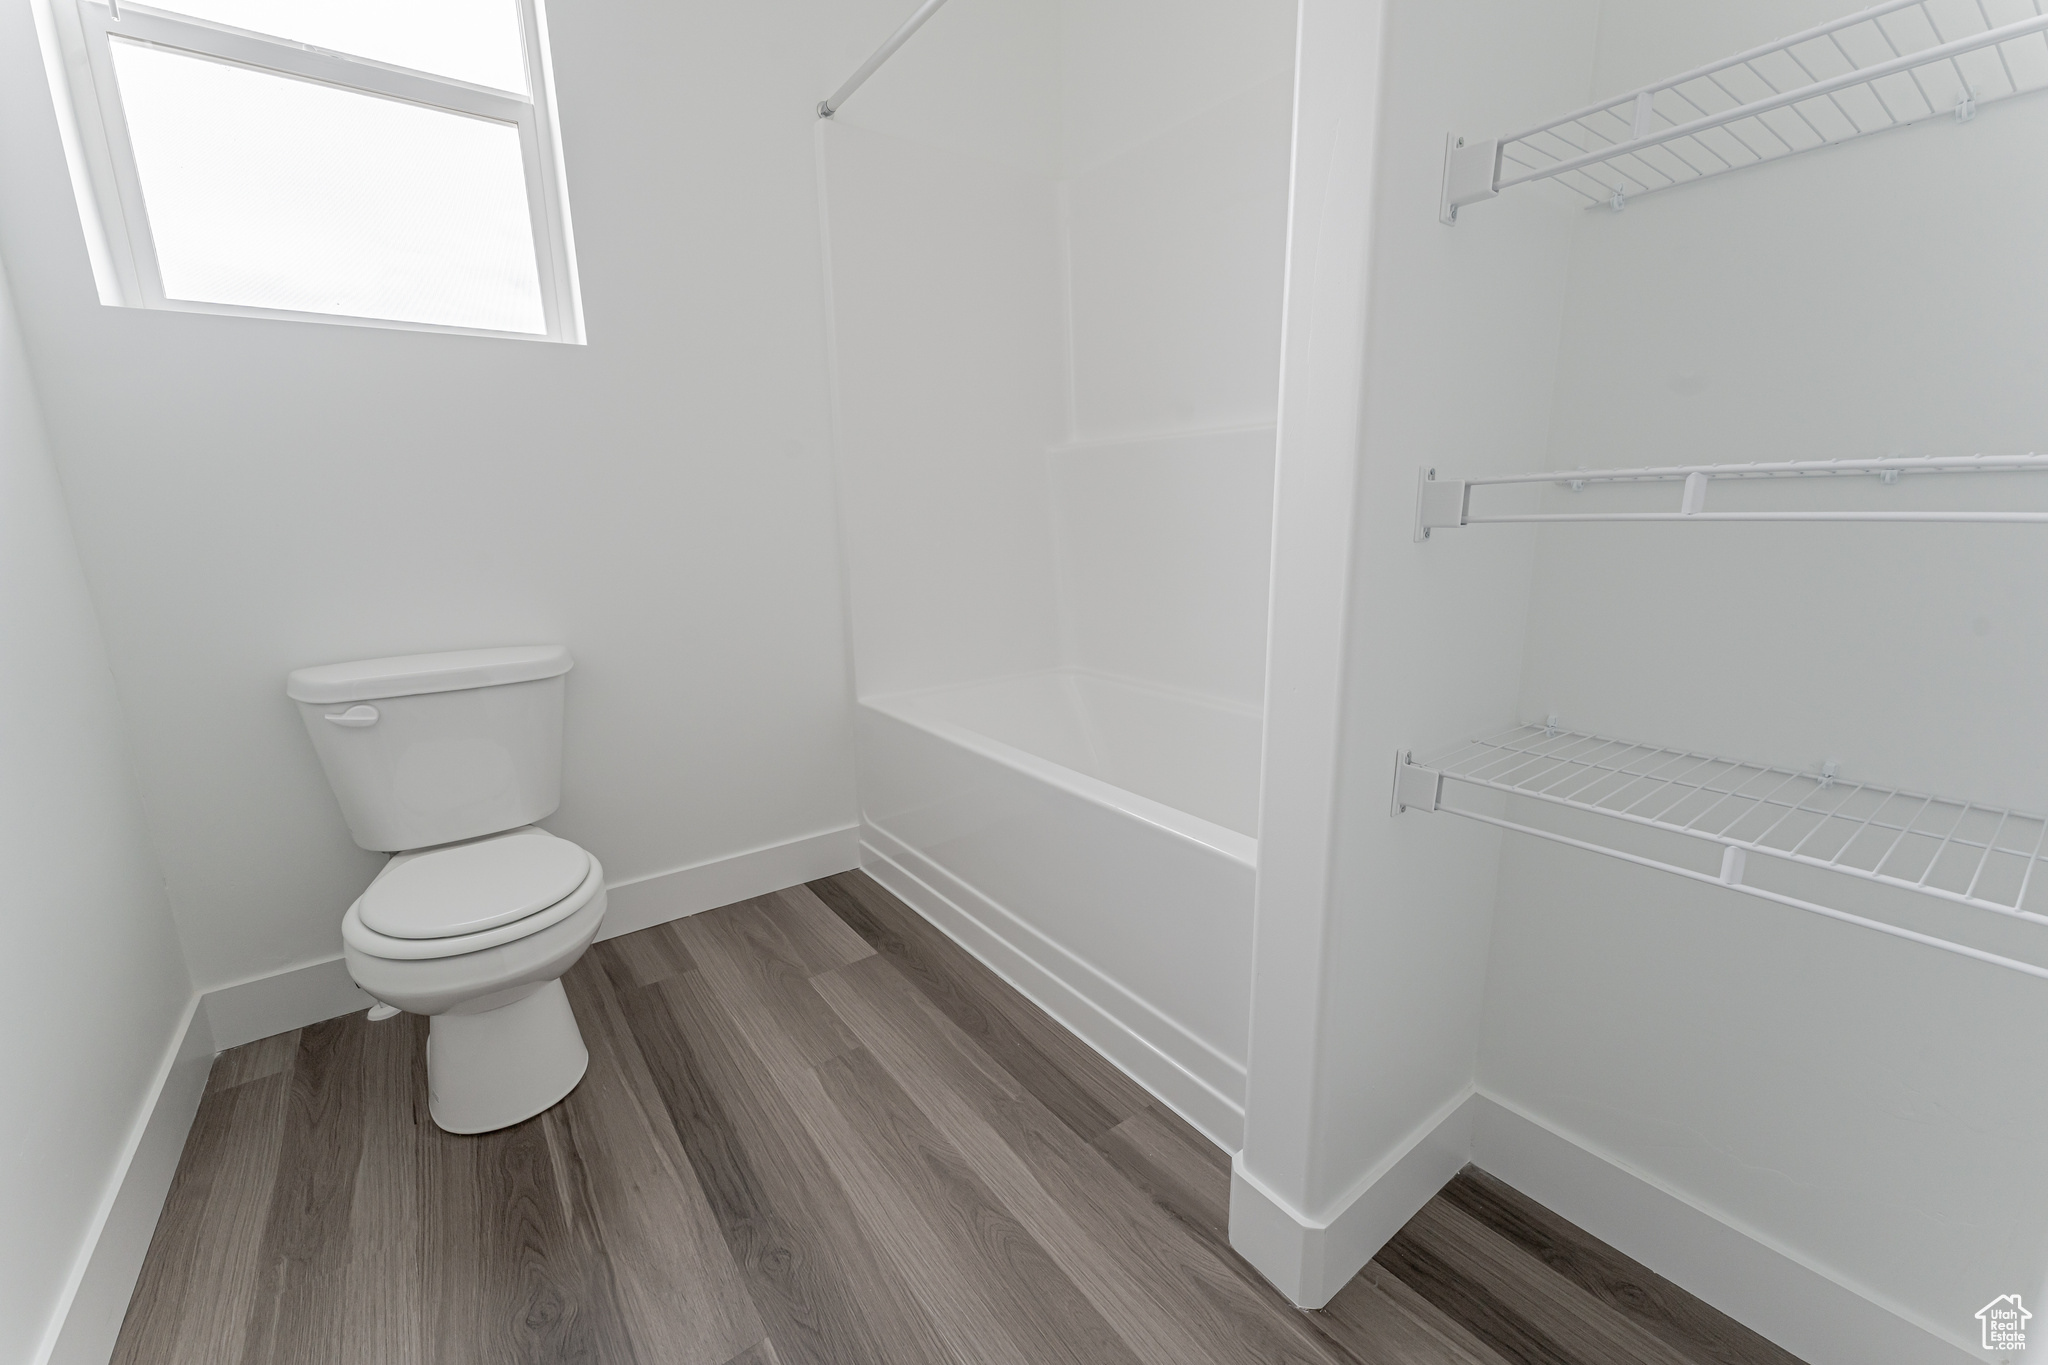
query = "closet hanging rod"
{"x": 1963, "y": 853}
{"x": 1826, "y": 85}
{"x": 837, "y": 100}
{"x": 1446, "y": 503}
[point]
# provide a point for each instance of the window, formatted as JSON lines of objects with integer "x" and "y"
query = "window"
{"x": 387, "y": 162}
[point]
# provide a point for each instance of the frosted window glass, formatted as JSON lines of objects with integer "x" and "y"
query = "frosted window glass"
{"x": 470, "y": 40}
{"x": 271, "y": 192}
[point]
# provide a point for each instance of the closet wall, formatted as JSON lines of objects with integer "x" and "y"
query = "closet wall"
{"x": 1849, "y": 1098}
{"x": 1635, "y": 1049}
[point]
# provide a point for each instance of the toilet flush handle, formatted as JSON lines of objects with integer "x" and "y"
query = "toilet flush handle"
{"x": 356, "y": 717}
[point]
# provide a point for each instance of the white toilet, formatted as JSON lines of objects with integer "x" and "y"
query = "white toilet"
{"x": 447, "y": 760}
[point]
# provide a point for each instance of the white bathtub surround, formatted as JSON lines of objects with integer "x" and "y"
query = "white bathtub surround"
{"x": 1179, "y": 750}
{"x": 1160, "y": 546}
{"x": 1055, "y": 241}
{"x": 1068, "y": 830}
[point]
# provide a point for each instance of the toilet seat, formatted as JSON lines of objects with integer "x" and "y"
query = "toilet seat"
{"x": 469, "y": 887}
{"x": 440, "y": 895}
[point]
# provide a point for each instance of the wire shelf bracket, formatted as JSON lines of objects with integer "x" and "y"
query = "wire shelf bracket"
{"x": 1958, "y": 852}
{"x": 1890, "y": 66}
{"x": 1443, "y": 504}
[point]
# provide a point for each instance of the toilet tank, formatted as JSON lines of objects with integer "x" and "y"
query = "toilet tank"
{"x": 427, "y": 749}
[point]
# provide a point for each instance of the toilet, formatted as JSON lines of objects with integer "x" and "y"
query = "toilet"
{"x": 445, "y": 761}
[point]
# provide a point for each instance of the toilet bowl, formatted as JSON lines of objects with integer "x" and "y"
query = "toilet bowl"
{"x": 476, "y": 935}
{"x": 447, "y": 761}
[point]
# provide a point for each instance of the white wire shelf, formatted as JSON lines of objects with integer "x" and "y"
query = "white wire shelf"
{"x": 1891, "y": 66}
{"x": 1442, "y": 504}
{"x": 1951, "y": 850}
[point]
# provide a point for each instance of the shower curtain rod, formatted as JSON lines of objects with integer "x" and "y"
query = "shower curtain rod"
{"x": 827, "y": 108}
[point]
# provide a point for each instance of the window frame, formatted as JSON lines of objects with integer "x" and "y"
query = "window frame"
{"x": 110, "y": 169}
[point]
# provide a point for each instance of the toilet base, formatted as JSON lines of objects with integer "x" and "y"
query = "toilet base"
{"x": 495, "y": 1067}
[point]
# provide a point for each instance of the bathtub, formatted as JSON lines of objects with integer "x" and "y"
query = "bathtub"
{"x": 1092, "y": 840}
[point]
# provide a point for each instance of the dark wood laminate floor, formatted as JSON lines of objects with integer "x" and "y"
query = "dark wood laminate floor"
{"x": 813, "y": 1130}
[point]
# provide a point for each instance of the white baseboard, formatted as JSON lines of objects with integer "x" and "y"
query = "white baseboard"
{"x": 264, "y": 1006}
{"x": 1804, "y": 1308}
{"x": 297, "y": 996}
{"x": 1309, "y": 1259}
{"x": 647, "y": 901}
{"x": 1145, "y": 1047}
{"x": 95, "y": 1297}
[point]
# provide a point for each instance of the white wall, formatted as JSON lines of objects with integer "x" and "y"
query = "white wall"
{"x": 1847, "y": 1097}
{"x": 98, "y": 984}
{"x": 1372, "y": 933}
{"x": 253, "y": 496}
{"x": 1462, "y": 352}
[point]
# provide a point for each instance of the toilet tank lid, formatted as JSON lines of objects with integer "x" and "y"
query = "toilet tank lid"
{"x": 412, "y": 675}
